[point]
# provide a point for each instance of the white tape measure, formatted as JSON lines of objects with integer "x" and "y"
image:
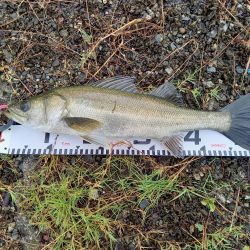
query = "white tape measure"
{"x": 19, "y": 139}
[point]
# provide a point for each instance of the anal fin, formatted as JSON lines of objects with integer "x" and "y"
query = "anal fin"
{"x": 174, "y": 145}
{"x": 97, "y": 140}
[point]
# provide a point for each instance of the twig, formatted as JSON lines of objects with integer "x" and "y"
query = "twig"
{"x": 235, "y": 210}
{"x": 135, "y": 21}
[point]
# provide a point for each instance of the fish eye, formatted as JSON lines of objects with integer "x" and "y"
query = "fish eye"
{"x": 25, "y": 106}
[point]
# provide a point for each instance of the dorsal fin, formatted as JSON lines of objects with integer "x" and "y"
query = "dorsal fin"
{"x": 168, "y": 92}
{"x": 123, "y": 83}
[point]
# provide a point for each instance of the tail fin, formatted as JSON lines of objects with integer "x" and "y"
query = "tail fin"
{"x": 239, "y": 131}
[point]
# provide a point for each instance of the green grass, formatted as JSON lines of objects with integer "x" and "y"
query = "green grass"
{"x": 153, "y": 186}
{"x": 81, "y": 205}
{"x": 64, "y": 207}
{"x": 215, "y": 93}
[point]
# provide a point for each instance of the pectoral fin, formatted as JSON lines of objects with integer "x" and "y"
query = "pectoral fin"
{"x": 174, "y": 145}
{"x": 82, "y": 125}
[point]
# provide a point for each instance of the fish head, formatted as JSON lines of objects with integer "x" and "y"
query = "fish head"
{"x": 39, "y": 111}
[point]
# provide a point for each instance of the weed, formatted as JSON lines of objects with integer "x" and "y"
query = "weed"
{"x": 63, "y": 206}
{"x": 215, "y": 93}
{"x": 210, "y": 203}
{"x": 85, "y": 36}
{"x": 196, "y": 92}
{"x": 152, "y": 187}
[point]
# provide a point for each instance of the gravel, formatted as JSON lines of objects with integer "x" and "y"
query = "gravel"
{"x": 159, "y": 38}
{"x": 144, "y": 204}
{"x": 211, "y": 69}
{"x": 239, "y": 69}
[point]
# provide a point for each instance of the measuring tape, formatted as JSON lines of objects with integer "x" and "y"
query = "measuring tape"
{"x": 19, "y": 139}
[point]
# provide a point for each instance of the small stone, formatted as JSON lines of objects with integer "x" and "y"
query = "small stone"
{"x": 11, "y": 226}
{"x": 13, "y": 15}
{"x": 143, "y": 204}
{"x": 185, "y": 18}
{"x": 81, "y": 78}
{"x": 208, "y": 84}
{"x": 169, "y": 70}
{"x": 212, "y": 34}
{"x": 64, "y": 33}
{"x": 215, "y": 46}
{"x": 14, "y": 234}
{"x": 225, "y": 27}
{"x": 131, "y": 246}
{"x": 197, "y": 176}
{"x": 239, "y": 69}
{"x": 173, "y": 46}
{"x": 56, "y": 63}
{"x": 191, "y": 229}
{"x": 246, "y": 204}
{"x": 222, "y": 198}
{"x": 247, "y": 197}
{"x": 213, "y": 104}
{"x": 2, "y": 242}
{"x": 7, "y": 55}
{"x": 104, "y": 1}
{"x": 159, "y": 38}
{"x": 182, "y": 30}
{"x": 155, "y": 216}
{"x": 211, "y": 69}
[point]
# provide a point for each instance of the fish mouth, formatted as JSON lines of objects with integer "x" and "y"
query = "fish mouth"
{"x": 15, "y": 115}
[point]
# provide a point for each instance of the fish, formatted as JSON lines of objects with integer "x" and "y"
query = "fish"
{"x": 113, "y": 110}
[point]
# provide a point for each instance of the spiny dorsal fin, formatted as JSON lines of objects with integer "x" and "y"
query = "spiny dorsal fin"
{"x": 168, "y": 92}
{"x": 123, "y": 83}
{"x": 174, "y": 144}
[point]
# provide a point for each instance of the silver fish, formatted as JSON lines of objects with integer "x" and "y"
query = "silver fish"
{"x": 113, "y": 109}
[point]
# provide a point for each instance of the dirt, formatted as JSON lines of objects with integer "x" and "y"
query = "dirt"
{"x": 47, "y": 44}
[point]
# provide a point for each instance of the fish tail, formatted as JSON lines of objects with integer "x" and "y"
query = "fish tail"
{"x": 239, "y": 131}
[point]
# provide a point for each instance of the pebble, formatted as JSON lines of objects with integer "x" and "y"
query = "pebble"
{"x": 11, "y": 226}
{"x": 81, "y": 78}
{"x": 225, "y": 27}
{"x": 2, "y": 242}
{"x": 14, "y": 234}
{"x": 173, "y": 46}
{"x": 169, "y": 70}
{"x": 247, "y": 197}
{"x": 56, "y": 63}
{"x": 197, "y": 176}
{"x": 182, "y": 30}
{"x": 211, "y": 69}
{"x": 7, "y": 55}
{"x": 212, "y": 34}
{"x": 143, "y": 204}
{"x": 208, "y": 84}
{"x": 159, "y": 38}
{"x": 64, "y": 33}
{"x": 131, "y": 246}
{"x": 239, "y": 69}
{"x": 222, "y": 198}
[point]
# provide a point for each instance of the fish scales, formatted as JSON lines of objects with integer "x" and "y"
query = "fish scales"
{"x": 136, "y": 114}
